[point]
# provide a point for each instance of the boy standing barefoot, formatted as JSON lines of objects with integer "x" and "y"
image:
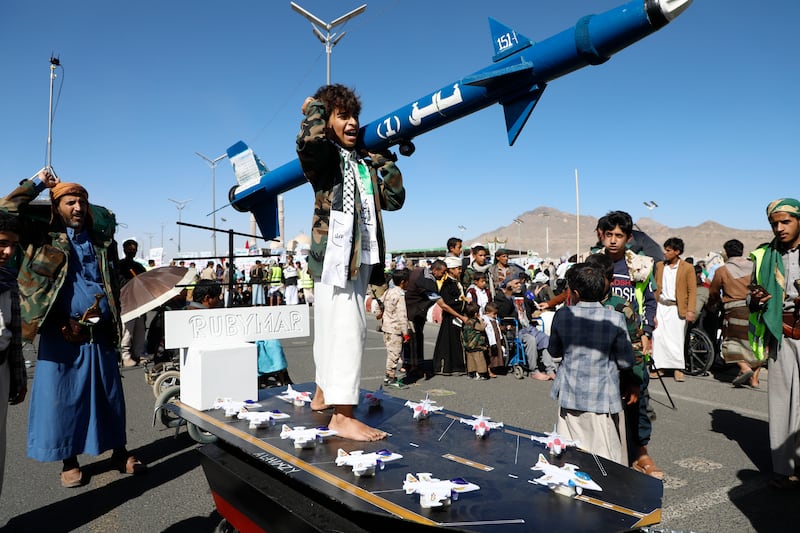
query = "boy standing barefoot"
{"x": 347, "y": 241}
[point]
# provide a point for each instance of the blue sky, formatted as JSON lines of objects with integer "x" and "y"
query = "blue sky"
{"x": 701, "y": 116}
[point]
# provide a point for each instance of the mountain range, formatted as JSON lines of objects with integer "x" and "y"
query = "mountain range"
{"x": 553, "y": 233}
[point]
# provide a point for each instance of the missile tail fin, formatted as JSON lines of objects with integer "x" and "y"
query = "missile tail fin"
{"x": 264, "y": 208}
{"x": 505, "y": 40}
{"x": 518, "y": 111}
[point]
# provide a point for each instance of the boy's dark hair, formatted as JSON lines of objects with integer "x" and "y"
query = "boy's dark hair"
{"x": 452, "y": 242}
{"x": 733, "y": 248}
{"x": 130, "y": 241}
{"x": 603, "y": 263}
{"x": 676, "y": 243}
{"x": 398, "y": 276}
{"x": 337, "y": 96}
{"x": 478, "y": 275}
{"x": 588, "y": 281}
{"x": 612, "y": 219}
{"x": 698, "y": 273}
{"x": 438, "y": 264}
{"x": 490, "y": 307}
{"x": 471, "y": 309}
{"x": 206, "y": 287}
{"x": 9, "y": 222}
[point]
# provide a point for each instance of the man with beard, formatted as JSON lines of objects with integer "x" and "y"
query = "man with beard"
{"x": 70, "y": 298}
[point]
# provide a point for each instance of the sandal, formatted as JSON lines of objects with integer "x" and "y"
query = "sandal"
{"x": 739, "y": 380}
{"x": 129, "y": 465}
{"x": 646, "y": 465}
{"x": 785, "y": 483}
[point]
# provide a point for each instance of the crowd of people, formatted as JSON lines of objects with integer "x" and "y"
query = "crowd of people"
{"x": 275, "y": 281}
{"x": 621, "y": 319}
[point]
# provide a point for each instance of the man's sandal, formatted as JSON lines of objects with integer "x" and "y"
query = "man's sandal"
{"x": 646, "y": 465}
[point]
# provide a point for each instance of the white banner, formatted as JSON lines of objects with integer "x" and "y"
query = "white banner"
{"x": 234, "y": 324}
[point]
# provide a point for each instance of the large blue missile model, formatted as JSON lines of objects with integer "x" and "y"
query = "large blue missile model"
{"x": 519, "y": 74}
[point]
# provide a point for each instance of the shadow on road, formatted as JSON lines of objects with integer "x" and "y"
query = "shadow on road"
{"x": 751, "y": 434}
{"x": 75, "y": 512}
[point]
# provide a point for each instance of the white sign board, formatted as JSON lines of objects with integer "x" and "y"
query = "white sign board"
{"x": 234, "y": 324}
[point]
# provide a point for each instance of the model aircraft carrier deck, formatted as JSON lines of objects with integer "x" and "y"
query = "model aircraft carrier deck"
{"x": 260, "y": 482}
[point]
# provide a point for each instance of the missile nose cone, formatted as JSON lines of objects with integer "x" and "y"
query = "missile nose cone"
{"x": 673, "y": 8}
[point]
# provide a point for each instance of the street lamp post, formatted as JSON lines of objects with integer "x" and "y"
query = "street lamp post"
{"x": 179, "y": 205}
{"x": 519, "y": 222}
{"x": 547, "y": 234}
{"x": 213, "y": 164}
{"x": 329, "y": 39}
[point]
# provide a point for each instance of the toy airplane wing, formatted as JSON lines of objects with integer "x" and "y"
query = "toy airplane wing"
{"x": 414, "y": 483}
{"x": 583, "y": 480}
{"x": 258, "y": 418}
{"x": 472, "y": 423}
{"x": 461, "y": 485}
{"x": 554, "y": 438}
{"x": 296, "y": 397}
{"x": 365, "y": 462}
{"x": 555, "y": 442}
{"x": 233, "y": 407}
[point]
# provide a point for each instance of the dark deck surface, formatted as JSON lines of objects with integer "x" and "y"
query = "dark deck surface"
{"x": 500, "y": 464}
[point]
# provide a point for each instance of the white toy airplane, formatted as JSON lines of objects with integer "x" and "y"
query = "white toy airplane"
{"x": 435, "y": 492}
{"x": 481, "y": 424}
{"x": 364, "y": 464}
{"x": 259, "y": 419}
{"x": 423, "y": 408}
{"x": 566, "y": 480}
{"x": 233, "y": 407}
{"x": 374, "y": 398}
{"x": 555, "y": 442}
{"x": 306, "y": 437}
{"x": 298, "y": 398}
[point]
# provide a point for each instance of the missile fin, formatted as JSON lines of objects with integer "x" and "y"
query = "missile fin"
{"x": 518, "y": 111}
{"x": 486, "y": 77}
{"x": 506, "y": 41}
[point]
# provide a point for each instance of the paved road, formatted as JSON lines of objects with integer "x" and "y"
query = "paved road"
{"x": 713, "y": 447}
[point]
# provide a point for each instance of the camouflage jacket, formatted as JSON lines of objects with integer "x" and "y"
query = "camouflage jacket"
{"x": 46, "y": 255}
{"x": 321, "y": 163}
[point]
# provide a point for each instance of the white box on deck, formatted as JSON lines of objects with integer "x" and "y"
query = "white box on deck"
{"x": 209, "y": 372}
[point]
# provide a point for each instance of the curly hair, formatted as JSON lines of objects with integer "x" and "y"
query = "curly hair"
{"x": 339, "y": 97}
{"x": 9, "y": 222}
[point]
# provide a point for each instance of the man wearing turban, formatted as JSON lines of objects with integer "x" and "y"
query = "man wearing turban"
{"x": 775, "y": 333}
{"x": 70, "y": 297}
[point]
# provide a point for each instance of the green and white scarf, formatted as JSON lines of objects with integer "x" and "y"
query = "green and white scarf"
{"x": 341, "y": 231}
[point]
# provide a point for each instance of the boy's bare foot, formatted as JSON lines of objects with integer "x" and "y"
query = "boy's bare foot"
{"x": 318, "y": 401}
{"x": 346, "y": 426}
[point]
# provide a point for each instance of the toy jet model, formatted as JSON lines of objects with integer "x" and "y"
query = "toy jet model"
{"x": 364, "y": 464}
{"x": 481, "y": 424}
{"x": 566, "y": 479}
{"x": 295, "y": 397}
{"x": 434, "y": 492}
{"x": 306, "y": 438}
{"x": 233, "y": 407}
{"x": 260, "y": 419}
{"x": 423, "y": 408}
{"x": 374, "y": 398}
{"x": 555, "y": 442}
